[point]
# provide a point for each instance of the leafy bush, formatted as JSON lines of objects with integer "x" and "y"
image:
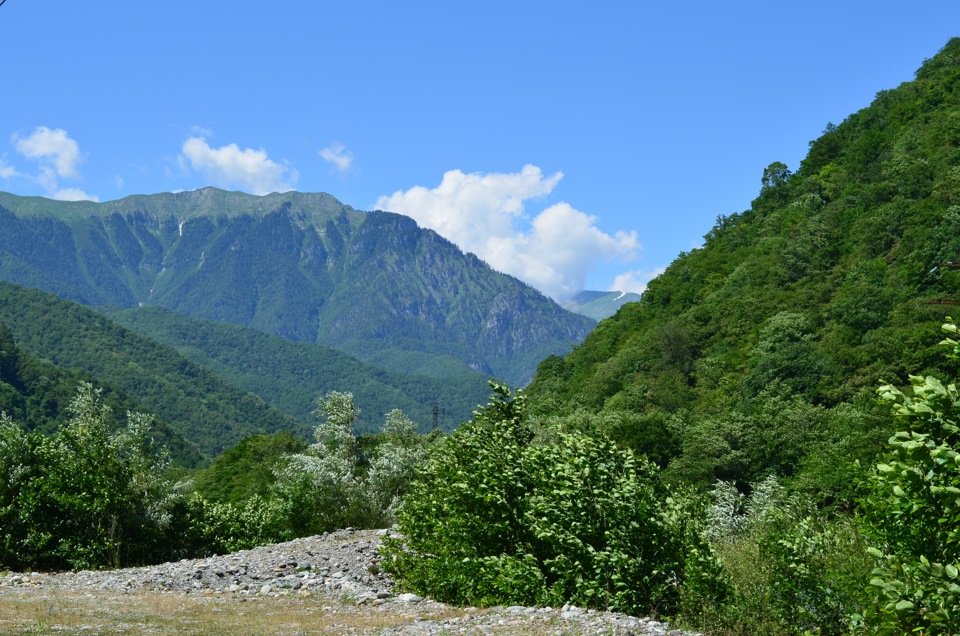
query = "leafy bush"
{"x": 334, "y": 484}
{"x": 500, "y": 516}
{"x": 85, "y": 497}
{"x": 913, "y": 511}
{"x": 219, "y": 528}
{"x": 793, "y": 570}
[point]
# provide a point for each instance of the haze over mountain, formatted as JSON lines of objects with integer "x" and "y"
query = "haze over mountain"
{"x": 599, "y": 304}
{"x": 300, "y": 266}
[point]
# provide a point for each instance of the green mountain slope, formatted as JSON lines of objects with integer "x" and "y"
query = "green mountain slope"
{"x": 300, "y": 266}
{"x": 290, "y": 375}
{"x": 195, "y": 403}
{"x": 826, "y": 285}
{"x": 36, "y": 395}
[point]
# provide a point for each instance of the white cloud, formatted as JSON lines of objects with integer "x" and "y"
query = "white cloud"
{"x": 484, "y": 214}
{"x": 58, "y": 157}
{"x": 229, "y": 166}
{"x": 53, "y": 147}
{"x": 72, "y": 194}
{"x": 7, "y": 171}
{"x": 339, "y": 156}
{"x": 635, "y": 281}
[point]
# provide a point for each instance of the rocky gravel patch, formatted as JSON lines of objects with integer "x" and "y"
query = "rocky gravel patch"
{"x": 342, "y": 573}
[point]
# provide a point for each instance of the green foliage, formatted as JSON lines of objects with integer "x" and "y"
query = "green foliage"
{"x": 335, "y": 483}
{"x": 247, "y": 469}
{"x": 196, "y": 404}
{"x": 499, "y": 516}
{"x": 219, "y": 528}
{"x": 913, "y": 509}
{"x": 84, "y": 497}
{"x": 793, "y": 570}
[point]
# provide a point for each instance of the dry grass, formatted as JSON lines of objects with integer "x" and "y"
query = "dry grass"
{"x": 36, "y": 612}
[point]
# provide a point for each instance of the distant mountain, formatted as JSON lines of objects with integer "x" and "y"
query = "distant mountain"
{"x": 301, "y": 266}
{"x": 291, "y": 375}
{"x": 599, "y": 304}
{"x": 198, "y": 405}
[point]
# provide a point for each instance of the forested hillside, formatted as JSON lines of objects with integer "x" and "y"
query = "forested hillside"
{"x": 301, "y": 266}
{"x": 290, "y": 375}
{"x": 828, "y": 284}
{"x": 198, "y": 405}
{"x": 37, "y": 395}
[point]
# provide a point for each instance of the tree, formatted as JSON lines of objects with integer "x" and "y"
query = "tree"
{"x": 774, "y": 176}
{"x": 86, "y": 497}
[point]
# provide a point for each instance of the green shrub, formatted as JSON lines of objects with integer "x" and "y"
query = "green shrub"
{"x": 500, "y": 516}
{"x": 85, "y": 497}
{"x": 335, "y": 484}
{"x": 793, "y": 569}
{"x": 913, "y": 512}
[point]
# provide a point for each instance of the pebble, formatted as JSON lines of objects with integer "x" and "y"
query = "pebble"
{"x": 338, "y": 566}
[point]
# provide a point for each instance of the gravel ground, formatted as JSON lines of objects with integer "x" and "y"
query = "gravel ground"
{"x": 340, "y": 572}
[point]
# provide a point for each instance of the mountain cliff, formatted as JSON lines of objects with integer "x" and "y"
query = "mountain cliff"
{"x": 301, "y": 266}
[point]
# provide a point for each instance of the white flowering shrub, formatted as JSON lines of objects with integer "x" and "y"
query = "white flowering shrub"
{"x": 333, "y": 485}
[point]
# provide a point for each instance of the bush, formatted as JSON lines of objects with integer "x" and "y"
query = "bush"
{"x": 500, "y": 516}
{"x": 334, "y": 484}
{"x": 913, "y": 512}
{"x": 793, "y": 570}
{"x": 86, "y": 497}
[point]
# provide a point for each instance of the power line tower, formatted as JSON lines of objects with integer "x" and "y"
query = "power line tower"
{"x": 437, "y": 413}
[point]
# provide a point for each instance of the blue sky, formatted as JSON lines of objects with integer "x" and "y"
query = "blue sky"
{"x": 571, "y": 144}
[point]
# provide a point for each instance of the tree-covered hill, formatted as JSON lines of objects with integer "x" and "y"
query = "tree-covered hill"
{"x": 194, "y": 402}
{"x": 36, "y": 394}
{"x": 291, "y": 375}
{"x": 826, "y": 285}
{"x": 301, "y": 266}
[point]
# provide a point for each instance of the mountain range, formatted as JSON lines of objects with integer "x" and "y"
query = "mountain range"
{"x": 300, "y": 266}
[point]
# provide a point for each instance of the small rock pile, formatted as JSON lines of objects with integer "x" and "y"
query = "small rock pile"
{"x": 344, "y": 568}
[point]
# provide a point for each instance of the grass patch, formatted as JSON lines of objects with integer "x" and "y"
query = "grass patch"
{"x": 35, "y": 612}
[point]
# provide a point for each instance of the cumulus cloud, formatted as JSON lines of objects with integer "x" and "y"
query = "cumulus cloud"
{"x": 229, "y": 166}
{"x": 485, "y": 214}
{"x": 58, "y": 157}
{"x": 72, "y": 194}
{"x": 54, "y": 148}
{"x": 635, "y": 281}
{"x": 339, "y": 156}
{"x": 7, "y": 171}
